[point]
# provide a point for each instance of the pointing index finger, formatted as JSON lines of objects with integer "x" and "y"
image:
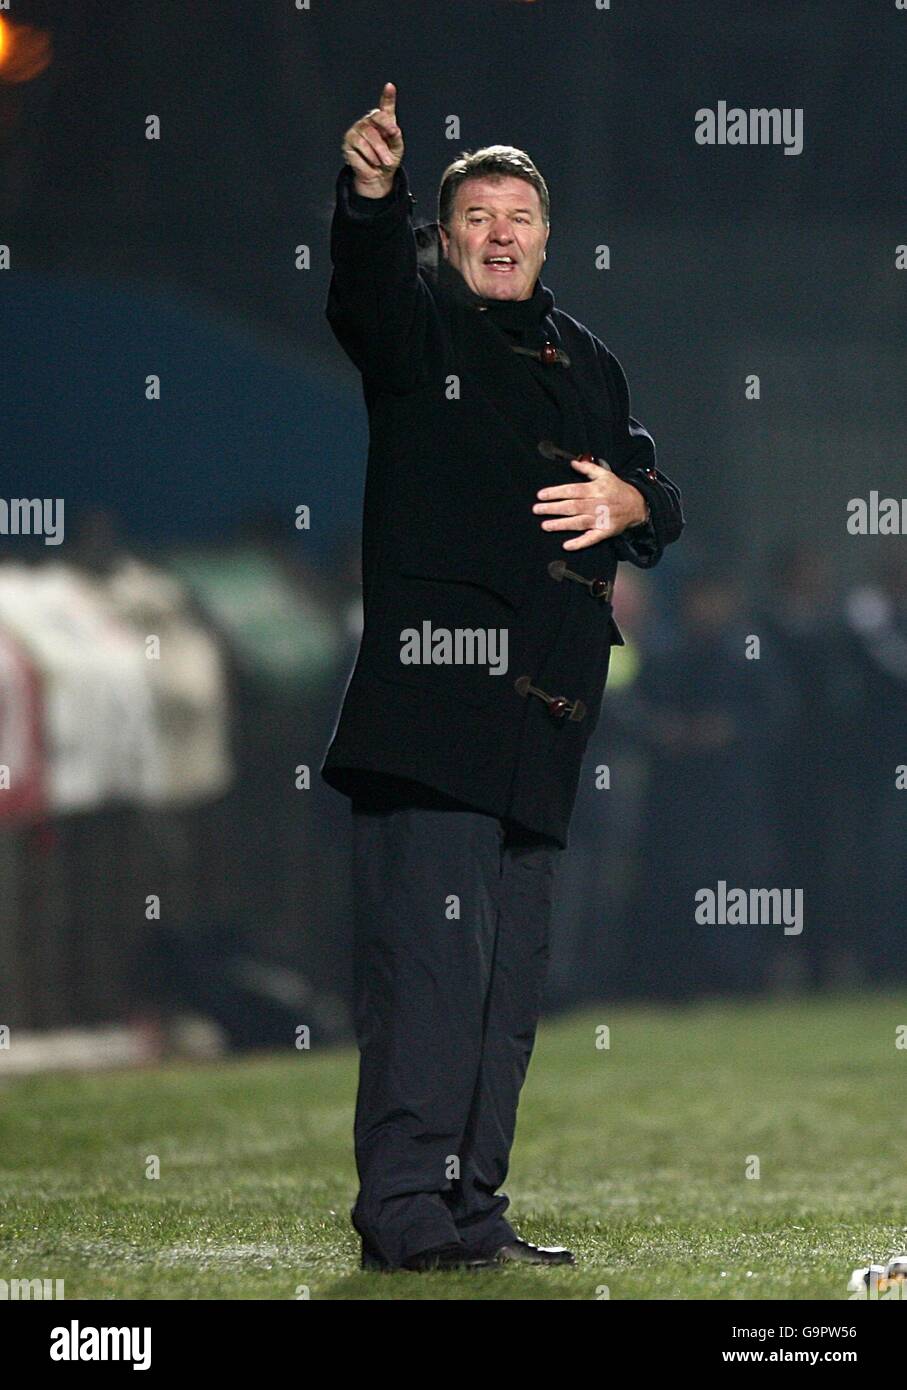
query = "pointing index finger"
{"x": 384, "y": 121}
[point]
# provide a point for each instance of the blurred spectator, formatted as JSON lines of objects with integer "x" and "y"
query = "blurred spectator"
{"x": 708, "y": 715}
{"x": 799, "y": 620}
{"x": 869, "y": 832}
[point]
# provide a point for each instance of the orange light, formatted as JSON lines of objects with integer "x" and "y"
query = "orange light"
{"x": 24, "y": 52}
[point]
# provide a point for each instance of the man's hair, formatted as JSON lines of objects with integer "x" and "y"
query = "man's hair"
{"x": 494, "y": 161}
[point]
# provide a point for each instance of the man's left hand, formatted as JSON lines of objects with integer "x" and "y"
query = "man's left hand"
{"x": 605, "y": 506}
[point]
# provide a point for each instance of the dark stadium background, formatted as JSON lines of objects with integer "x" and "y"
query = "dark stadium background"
{"x": 176, "y": 257}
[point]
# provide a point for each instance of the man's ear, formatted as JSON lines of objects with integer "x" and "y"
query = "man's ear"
{"x": 445, "y": 240}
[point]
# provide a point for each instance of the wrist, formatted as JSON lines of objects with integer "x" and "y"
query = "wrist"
{"x": 373, "y": 188}
{"x": 642, "y": 512}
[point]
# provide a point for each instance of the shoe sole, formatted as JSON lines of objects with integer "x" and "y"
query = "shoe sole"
{"x": 376, "y": 1266}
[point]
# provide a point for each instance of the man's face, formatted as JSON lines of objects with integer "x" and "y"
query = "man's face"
{"x": 497, "y": 236}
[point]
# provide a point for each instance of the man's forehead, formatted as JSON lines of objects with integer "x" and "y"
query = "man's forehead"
{"x": 501, "y": 190}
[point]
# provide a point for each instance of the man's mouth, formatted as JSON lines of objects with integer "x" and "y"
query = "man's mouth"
{"x": 501, "y": 265}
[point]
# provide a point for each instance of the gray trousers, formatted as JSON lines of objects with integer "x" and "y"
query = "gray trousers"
{"x": 452, "y": 914}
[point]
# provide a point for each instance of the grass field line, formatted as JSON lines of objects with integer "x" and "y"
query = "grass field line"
{"x": 637, "y": 1156}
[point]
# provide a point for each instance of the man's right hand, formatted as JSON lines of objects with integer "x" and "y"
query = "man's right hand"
{"x": 373, "y": 147}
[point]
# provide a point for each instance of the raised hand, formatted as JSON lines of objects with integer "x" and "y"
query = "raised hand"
{"x": 373, "y": 147}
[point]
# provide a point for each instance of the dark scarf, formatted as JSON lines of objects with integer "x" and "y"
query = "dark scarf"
{"x": 525, "y": 322}
{"x": 521, "y": 317}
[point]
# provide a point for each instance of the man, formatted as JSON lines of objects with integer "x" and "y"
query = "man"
{"x": 488, "y": 561}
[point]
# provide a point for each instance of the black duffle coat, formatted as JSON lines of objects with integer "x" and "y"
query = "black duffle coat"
{"x": 450, "y": 543}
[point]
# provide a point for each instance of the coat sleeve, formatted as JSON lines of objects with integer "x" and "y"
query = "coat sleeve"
{"x": 635, "y": 463}
{"x": 378, "y": 305}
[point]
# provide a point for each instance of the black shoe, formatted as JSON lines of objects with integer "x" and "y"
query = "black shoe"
{"x": 449, "y": 1257}
{"x": 521, "y": 1252}
{"x": 441, "y": 1257}
{"x": 370, "y": 1260}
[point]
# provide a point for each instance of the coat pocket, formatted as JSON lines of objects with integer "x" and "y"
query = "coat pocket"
{"x": 495, "y": 572}
{"x": 447, "y": 638}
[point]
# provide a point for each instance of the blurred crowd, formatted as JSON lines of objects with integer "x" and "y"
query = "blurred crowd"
{"x": 166, "y": 843}
{"x": 755, "y": 738}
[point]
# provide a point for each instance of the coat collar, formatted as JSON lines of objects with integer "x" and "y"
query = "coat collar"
{"x": 506, "y": 380}
{"x": 512, "y": 386}
{"x": 523, "y": 315}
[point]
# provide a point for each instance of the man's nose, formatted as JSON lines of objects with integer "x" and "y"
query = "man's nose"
{"x": 501, "y": 232}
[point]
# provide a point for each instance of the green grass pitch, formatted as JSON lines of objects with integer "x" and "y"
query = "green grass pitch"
{"x": 636, "y": 1155}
